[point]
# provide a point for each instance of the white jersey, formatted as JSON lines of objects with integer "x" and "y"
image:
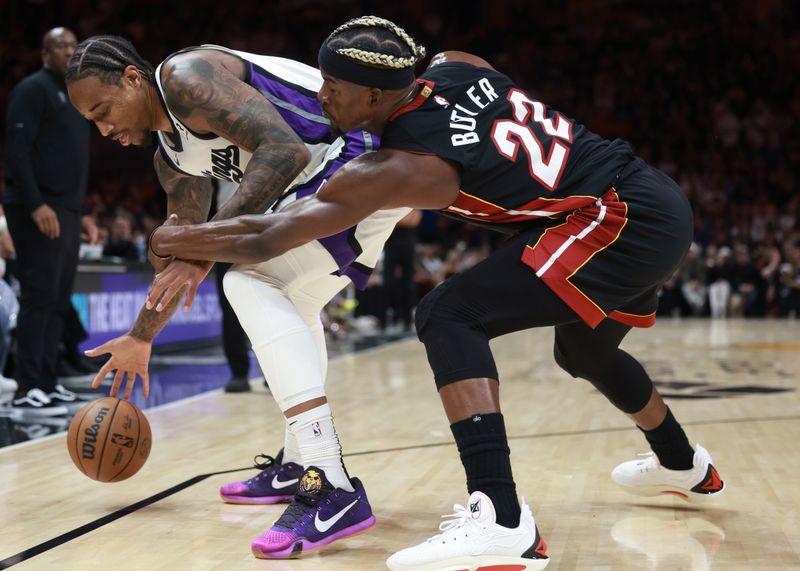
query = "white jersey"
{"x": 289, "y": 85}
{"x": 292, "y": 88}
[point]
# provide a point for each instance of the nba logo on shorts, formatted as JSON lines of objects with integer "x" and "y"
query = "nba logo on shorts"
{"x": 317, "y": 429}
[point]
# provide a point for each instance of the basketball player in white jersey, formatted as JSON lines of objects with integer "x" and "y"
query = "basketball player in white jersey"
{"x": 253, "y": 120}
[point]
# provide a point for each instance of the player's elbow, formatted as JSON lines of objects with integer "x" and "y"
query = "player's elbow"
{"x": 286, "y": 160}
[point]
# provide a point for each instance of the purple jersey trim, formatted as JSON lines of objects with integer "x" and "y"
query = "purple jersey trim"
{"x": 301, "y": 111}
{"x": 344, "y": 246}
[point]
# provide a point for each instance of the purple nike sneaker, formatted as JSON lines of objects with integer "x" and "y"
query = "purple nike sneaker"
{"x": 319, "y": 514}
{"x": 277, "y": 482}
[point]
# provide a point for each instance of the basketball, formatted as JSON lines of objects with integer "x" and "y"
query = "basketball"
{"x": 109, "y": 439}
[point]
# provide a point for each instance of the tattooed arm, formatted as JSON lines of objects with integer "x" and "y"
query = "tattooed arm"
{"x": 130, "y": 353}
{"x": 187, "y": 196}
{"x": 205, "y": 90}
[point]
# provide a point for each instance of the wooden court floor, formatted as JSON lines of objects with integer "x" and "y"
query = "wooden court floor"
{"x": 733, "y": 384}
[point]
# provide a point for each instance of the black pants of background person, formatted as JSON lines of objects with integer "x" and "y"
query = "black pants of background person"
{"x": 46, "y": 272}
{"x": 234, "y": 340}
{"x": 71, "y": 361}
{"x": 398, "y": 275}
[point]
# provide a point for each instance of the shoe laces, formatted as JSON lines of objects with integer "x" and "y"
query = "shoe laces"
{"x": 460, "y": 517}
{"x": 648, "y": 460}
{"x": 268, "y": 461}
{"x": 266, "y": 464}
{"x": 302, "y": 506}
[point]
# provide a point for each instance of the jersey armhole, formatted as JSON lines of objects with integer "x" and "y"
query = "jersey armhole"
{"x": 170, "y": 162}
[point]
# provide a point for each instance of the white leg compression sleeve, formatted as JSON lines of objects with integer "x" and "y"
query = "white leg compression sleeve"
{"x": 278, "y": 304}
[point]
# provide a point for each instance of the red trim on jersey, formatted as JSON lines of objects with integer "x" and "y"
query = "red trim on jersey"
{"x": 474, "y": 208}
{"x": 422, "y": 97}
{"x": 563, "y": 250}
{"x": 632, "y": 319}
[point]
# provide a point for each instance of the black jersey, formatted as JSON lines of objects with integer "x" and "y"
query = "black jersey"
{"x": 522, "y": 162}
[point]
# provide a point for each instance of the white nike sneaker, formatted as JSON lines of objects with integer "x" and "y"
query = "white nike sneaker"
{"x": 646, "y": 477}
{"x": 471, "y": 540}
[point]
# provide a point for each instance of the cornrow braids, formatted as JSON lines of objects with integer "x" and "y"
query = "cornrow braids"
{"x": 376, "y": 42}
{"x": 106, "y": 57}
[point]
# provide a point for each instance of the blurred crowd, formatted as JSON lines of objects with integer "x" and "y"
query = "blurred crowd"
{"x": 707, "y": 91}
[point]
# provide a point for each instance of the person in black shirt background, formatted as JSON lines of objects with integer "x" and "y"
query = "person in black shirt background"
{"x": 46, "y": 167}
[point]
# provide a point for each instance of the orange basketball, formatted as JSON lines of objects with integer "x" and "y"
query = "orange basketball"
{"x": 109, "y": 439}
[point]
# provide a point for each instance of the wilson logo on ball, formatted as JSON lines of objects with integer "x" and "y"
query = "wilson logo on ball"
{"x": 90, "y": 435}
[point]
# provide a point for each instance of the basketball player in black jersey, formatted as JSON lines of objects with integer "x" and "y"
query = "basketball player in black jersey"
{"x": 594, "y": 232}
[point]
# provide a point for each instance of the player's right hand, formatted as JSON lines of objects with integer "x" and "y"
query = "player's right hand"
{"x": 169, "y": 283}
{"x": 46, "y": 221}
{"x": 129, "y": 356}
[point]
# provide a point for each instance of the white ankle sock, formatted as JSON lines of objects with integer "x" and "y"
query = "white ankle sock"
{"x": 319, "y": 445}
{"x": 291, "y": 452}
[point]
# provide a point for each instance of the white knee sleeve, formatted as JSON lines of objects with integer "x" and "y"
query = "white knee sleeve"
{"x": 282, "y": 341}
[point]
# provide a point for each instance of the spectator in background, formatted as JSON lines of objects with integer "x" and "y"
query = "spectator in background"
{"x": 719, "y": 288}
{"x": 9, "y": 309}
{"x": 789, "y": 290}
{"x": 789, "y": 280}
{"x": 46, "y": 167}
{"x": 693, "y": 281}
{"x": 398, "y": 272}
{"x": 746, "y": 283}
{"x": 429, "y": 268}
{"x": 120, "y": 239}
{"x": 9, "y": 306}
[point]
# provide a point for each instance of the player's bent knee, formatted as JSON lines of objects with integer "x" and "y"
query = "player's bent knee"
{"x": 582, "y": 364}
{"x": 565, "y": 361}
{"x": 435, "y": 311}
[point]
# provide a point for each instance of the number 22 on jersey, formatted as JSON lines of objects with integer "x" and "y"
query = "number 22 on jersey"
{"x": 508, "y": 135}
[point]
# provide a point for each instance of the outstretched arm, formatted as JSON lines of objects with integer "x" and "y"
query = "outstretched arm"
{"x": 375, "y": 181}
{"x": 130, "y": 353}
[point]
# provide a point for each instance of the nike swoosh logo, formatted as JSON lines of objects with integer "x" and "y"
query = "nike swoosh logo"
{"x": 278, "y": 484}
{"x": 324, "y": 526}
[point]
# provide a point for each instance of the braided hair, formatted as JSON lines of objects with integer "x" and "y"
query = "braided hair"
{"x": 106, "y": 57}
{"x": 376, "y": 42}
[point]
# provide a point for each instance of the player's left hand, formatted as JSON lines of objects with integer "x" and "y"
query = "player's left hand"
{"x": 129, "y": 356}
{"x": 170, "y": 281}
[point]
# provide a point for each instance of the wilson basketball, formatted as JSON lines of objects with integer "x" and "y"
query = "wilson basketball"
{"x": 109, "y": 439}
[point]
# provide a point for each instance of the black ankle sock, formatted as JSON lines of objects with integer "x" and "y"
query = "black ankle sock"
{"x": 670, "y": 444}
{"x": 483, "y": 446}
